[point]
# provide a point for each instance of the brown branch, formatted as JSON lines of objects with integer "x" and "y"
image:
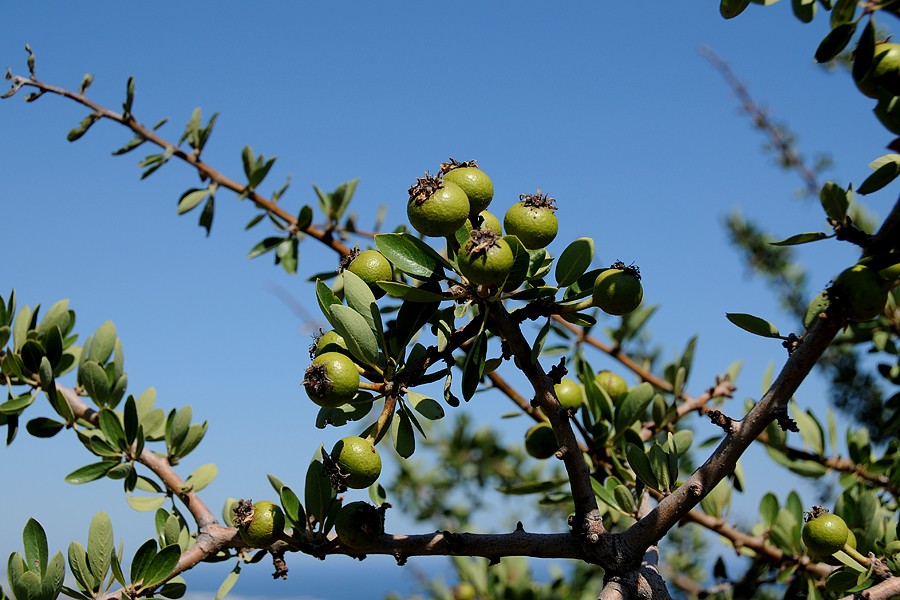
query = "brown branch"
{"x": 887, "y": 589}
{"x": 202, "y": 168}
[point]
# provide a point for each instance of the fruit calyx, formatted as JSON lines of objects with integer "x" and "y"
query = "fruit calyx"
{"x": 243, "y": 513}
{"x": 348, "y": 258}
{"x": 633, "y": 269}
{"x": 425, "y": 187}
{"x": 446, "y": 167}
{"x": 483, "y": 240}
{"x": 538, "y": 200}
{"x": 317, "y": 380}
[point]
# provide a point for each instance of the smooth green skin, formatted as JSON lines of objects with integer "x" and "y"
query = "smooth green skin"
{"x": 825, "y": 534}
{"x": 535, "y": 227}
{"x": 331, "y": 341}
{"x": 442, "y": 214}
{"x": 569, "y": 393}
{"x": 862, "y": 292}
{"x": 617, "y": 292}
{"x": 613, "y": 383}
{"x": 372, "y": 266}
{"x": 829, "y": 558}
{"x": 265, "y": 527}
{"x": 476, "y": 184}
{"x": 540, "y": 441}
{"x": 358, "y": 525}
{"x": 884, "y": 75}
{"x": 486, "y": 268}
{"x": 358, "y": 458}
{"x": 343, "y": 378}
{"x": 488, "y": 221}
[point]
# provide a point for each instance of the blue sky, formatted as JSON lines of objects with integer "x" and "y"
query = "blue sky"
{"x": 611, "y": 110}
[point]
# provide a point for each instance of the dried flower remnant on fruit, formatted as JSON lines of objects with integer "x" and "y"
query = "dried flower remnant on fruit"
{"x": 243, "y": 513}
{"x": 446, "y": 167}
{"x": 424, "y": 188}
{"x": 483, "y": 240}
{"x": 317, "y": 379}
{"x": 333, "y": 470}
{"x": 538, "y": 200}
{"x": 348, "y": 258}
{"x": 632, "y": 268}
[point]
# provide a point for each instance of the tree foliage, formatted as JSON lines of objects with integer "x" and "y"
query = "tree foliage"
{"x": 619, "y": 468}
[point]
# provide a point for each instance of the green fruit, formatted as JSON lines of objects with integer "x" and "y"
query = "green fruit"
{"x": 888, "y": 112}
{"x": 358, "y": 525}
{"x": 883, "y": 76}
{"x": 540, "y": 441}
{"x": 825, "y": 534}
{"x": 358, "y": 459}
{"x": 437, "y": 208}
{"x": 829, "y": 558}
{"x": 532, "y": 220}
{"x": 265, "y": 526}
{"x": 485, "y": 258}
{"x": 613, "y": 384}
{"x": 330, "y": 341}
{"x": 569, "y": 393}
{"x": 464, "y": 591}
{"x": 861, "y": 292}
{"x": 474, "y": 182}
{"x": 331, "y": 380}
{"x": 618, "y": 291}
{"x": 372, "y": 266}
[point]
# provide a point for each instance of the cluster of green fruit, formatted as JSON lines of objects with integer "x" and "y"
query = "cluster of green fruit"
{"x": 540, "y": 441}
{"x": 826, "y": 534}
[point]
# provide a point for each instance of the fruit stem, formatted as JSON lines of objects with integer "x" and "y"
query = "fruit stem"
{"x": 375, "y": 387}
{"x": 852, "y": 553}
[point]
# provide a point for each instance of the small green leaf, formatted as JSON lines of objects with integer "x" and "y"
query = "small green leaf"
{"x": 834, "y": 201}
{"x": 574, "y": 261}
{"x": 659, "y": 464}
{"x": 425, "y": 406}
{"x": 319, "y": 494}
{"x": 90, "y": 472}
{"x": 267, "y": 245}
{"x": 754, "y": 325}
{"x": 410, "y": 254}
{"x": 408, "y": 292}
{"x": 161, "y": 566}
{"x": 142, "y": 559}
{"x": 531, "y": 487}
{"x": 145, "y": 503}
{"x": 718, "y": 499}
{"x": 357, "y": 334}
{"x": 229, "y": 582}
{"x": 402, "y": 434}
{"x": 52, "y": 581}
{"x": 36, "y": 552}
{"x": 473, "y": 366}
{"x": 865, "y": 51}
{"x": 112, "y": 428}
{"x": 206, "y": 216}
{"x": 42, "y": 427}
{"x": 729, "y": 9}
{"x": 640, "y": 464}
{"x": 202, "y": 476}
{"x": 191, "y": 198}
{"x": 768, "y": 509}
{"x": 804, "y": 10}
{"x": 632, "y": 406}
{"x": 292, "y": 508}
{"x": 624, "y": 499}
{"x": 100, "y": 545}
{"x": 82, "y": 127}
{"x": 17, "y": 405}
{"x": 95, "y": 382}
{"x": 802, "y": 238}
{"x": 883, "y": 175}
{"x": 835, "y": 42}
{"x": 103, "y": 343}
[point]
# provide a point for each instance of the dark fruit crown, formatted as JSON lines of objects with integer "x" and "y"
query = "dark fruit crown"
{"x": 425, "y": 187}
{"x": 482, "y": 240}
{"x": 317, "y": 379}
{"x": 816, "y": 512}
{"x": 631, "y": 269}
{"x": 538, "y": 200}
{"x": 446, "y": 167}
{"x": 243, "y": 513}
{"x": 348, "y": 258}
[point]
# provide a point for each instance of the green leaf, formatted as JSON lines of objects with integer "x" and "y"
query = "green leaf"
{"x": 112, "y": 428}
{"x": 659, "y": 464}
{"x": 844, "y": 11}
{"x": 402, "y": 434}
{"x": 865, "y": 51}
{"x": 804, "y": 10}
{"x": 17, "y": 405}
{"x": 768, "y": 509}
{"x": 574, "y": 261}
{"x": 95, "y": 382}
{"x": 103, "y": 343}
{"x": 129, "y": 97}
{"x": 410, "y": 254}
{"x": 177, "y": 425}
{"x": 810, "y": 430}
{"x": 754, "y": 325}
{"x": 52, "y": 581}
{"x": 90, "y": 472}
{"x": 42, "y": 427}
{"x": 802, "y": 238}
{"x": 532, "y": 487}
{"x": 818, "y": 305}
{"x": 36, "y": 553}
{"x": 206, "y": 216}
{"x": 293, "y": 510}
{"x": 834, "y": 201}
{"x": 267, "y": 245}
{"x": 729, "y": 9}
{"x": 835, "y": 42}
{"x": 521, "y": 260}
{"x": 425, "y": 406}
{"x": 202, "y": 476}
{"x": 883, "y": 175}
{"x": 632, "y": 406}
{"x": 360, "y": 298}
{"x": 319, "y": 494}
{"x": 715, "y": 503}
{"x": 100, "y": 545}
{"x": 640, "y": 464}
{"x": 357, "y": 334}
{"x": 142, "y": 559}
{"x": 326, "y": 298}
{"x": 286, "y": 255}
{"x": 161, "y": 566}
{"x": 82, "y": 127}
{"x": 473, "y": 366}
{"x": 191, "y": 198}
{"x": 408, "y": 292}
{"x": 145, "y": 503}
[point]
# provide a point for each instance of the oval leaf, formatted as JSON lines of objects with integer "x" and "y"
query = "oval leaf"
{"x": 357, "y": 334}
{"x": 753, "y": 324}
{"x": 574, "y": 261}
{"x": 90, "y": 472}
{"x": 802, "y": 238}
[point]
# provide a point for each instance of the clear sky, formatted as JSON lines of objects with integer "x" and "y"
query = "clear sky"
{"x": 609, "y": 107}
